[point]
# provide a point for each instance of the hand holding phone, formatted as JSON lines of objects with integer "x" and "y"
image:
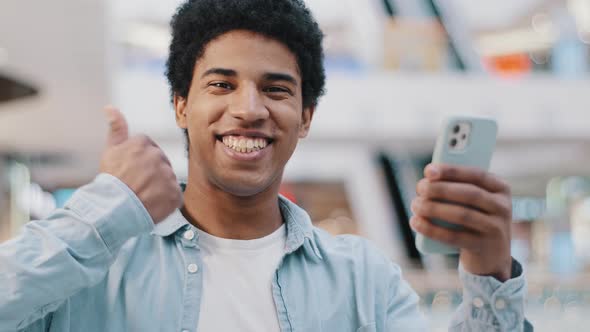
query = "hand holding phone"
{"x": 466, "y": 141}
{"x": 460, "y": 206}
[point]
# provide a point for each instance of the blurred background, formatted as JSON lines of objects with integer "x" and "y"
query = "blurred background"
{"x": 395, "y": 69}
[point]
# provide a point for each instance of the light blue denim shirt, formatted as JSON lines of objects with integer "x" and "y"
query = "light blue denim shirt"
{"x": 99, "y": 264}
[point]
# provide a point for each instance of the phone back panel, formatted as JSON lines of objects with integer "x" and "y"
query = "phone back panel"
{"x": 479, "y": 149}
{"x": 477, "y": 152}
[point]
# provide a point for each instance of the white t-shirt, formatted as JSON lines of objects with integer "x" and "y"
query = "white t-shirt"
{"x": 237, "y": 281}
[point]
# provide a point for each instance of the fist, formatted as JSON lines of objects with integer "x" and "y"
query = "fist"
{"x": 142, "y": 166}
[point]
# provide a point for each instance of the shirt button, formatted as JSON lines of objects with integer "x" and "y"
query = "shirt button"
{"x": 500, "y": 304}
{"x": 189, "y": 235}
{"x": 478, "y": 302}
{"x": 192, "y": 268}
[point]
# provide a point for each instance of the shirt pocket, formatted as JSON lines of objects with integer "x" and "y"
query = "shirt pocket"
{"x": 367, "y": 328}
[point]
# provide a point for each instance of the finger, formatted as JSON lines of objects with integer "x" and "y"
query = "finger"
{"x": 147, "y": 141}
{"x": 164, "y": 157}
{"x": 476, "y": 176}
{"x": 118, "y": 130}
{"x": 457, "y": 238}
{"x": 465, "y": 194}
{"x": 143, "y": 140}
{"x": 455, "y": 214}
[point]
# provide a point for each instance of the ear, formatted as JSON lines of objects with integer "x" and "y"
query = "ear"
{"x": 306, "y": 117}
{"x": 180, "y": 110}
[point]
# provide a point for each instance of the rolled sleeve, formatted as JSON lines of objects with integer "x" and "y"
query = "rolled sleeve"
{"x": 113, "y": 209}
{"x": 489, "y": 304}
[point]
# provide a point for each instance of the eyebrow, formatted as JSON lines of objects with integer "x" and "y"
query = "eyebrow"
{"x": 267, "y": 76}
{"x": 220, "y": 71}
{"x": 280, "y": 77}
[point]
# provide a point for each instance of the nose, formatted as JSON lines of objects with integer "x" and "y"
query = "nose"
{"x": 247, "y": 104}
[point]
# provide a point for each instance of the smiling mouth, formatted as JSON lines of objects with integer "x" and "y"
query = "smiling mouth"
{"x": 244, "y": 144}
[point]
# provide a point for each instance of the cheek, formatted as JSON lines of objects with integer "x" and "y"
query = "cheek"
{"x": 206, "y": 110}
{"x": 288, "y": 120}
{"x": 200, "y": 137}
{"x": 288, "y": 124}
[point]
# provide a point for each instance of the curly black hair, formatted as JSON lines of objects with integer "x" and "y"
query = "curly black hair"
{"x": 197, "y": 22}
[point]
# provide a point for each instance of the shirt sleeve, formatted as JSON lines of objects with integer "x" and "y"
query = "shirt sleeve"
{"x": 491, "y": 305}
{"x": 72, "y": 249}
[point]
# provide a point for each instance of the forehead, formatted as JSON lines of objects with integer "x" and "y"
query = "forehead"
{"x": 248, "y": 53}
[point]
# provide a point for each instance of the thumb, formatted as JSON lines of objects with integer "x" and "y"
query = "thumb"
{"x": 118, "y": 130}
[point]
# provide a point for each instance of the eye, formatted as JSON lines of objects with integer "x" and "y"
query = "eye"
{"x": 221, "y": 85}
{"x": 277, "y": 89}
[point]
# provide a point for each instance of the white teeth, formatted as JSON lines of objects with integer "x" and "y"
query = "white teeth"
{"x": 244, "y": 144}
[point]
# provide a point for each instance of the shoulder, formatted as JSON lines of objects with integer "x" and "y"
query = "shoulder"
{"x": 146, "y": 249}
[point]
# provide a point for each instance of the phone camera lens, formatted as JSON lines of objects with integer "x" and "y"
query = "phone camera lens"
{"x": 463, "y": 136}
{"x": 453, "y": 142}
{"x": 456, "y": 129}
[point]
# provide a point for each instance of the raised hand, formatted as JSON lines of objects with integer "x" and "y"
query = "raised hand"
{"x": 477, "y": 201}
{"x": 139, "y": 163}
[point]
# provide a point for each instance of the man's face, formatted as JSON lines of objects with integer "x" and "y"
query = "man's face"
{"x": 244, "y": 113}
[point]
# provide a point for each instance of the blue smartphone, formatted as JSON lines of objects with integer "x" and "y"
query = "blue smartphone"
{"x": 466, "y": 141}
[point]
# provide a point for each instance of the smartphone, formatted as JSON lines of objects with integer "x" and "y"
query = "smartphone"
{"x": 466, "y": 141}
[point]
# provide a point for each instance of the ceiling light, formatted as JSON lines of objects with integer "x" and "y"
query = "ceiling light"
{"x": 514, "y": 41}
{"x": 580, "y": 9}
{"x": 542, "y": 23}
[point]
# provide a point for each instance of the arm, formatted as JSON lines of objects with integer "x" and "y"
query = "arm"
{"x": 72, "y": 249}
{"x": 479, "y": 205}
{"x": 490, "y": 305}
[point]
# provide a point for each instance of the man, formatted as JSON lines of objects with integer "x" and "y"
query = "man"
{"x": 126, "y": 255}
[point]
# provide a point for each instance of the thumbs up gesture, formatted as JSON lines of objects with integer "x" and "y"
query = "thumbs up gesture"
{"x": 139, "y": 163}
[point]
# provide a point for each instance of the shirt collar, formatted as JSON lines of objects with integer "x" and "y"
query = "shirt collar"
{"x": 299, "y": 227}
{"x": 170, "y": 225}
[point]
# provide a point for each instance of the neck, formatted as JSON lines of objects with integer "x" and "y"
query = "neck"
{"x": 229, "y": 216}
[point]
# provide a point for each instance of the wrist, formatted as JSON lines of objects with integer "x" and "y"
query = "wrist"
{"x": 503, "y": 274}
{"x": 501, "y": 270}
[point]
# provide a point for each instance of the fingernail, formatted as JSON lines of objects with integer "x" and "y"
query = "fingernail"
{"x": 432, "y": 171}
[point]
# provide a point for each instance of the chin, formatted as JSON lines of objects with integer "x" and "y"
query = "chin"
{"x": 241, "y": 188}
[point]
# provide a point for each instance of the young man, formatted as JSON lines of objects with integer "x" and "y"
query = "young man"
{"x": 126, "y": 255}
